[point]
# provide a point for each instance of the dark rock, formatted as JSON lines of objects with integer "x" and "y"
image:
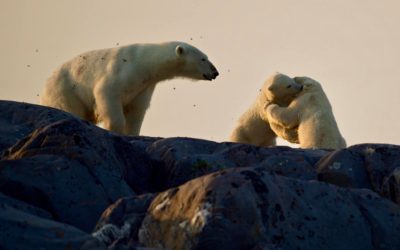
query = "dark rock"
{"x": 120, "y": 223}
{"x": 140, "y": 173}
{"x": 6, "y": 201}
{"x": 372, "y": 166}
{"x": 246, "y": 208}
{"x": 125, "y": 209}
{"x": 177, "y": 160}
{"x": 20, "y": 230}
{"x": 17, "y": 120}
{"x": 69, "y": 168}
{"x": 391, "y": 186}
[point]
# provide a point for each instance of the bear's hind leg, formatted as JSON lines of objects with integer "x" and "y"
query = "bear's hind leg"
{"x": 59, "y": 93}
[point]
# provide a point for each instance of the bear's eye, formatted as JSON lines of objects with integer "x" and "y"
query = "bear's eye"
{"x": 203, "y": 59}
{"x": 289, "y": 86}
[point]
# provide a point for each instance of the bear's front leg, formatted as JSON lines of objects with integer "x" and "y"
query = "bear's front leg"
{"x": 110, "y": 111}
{"x": 284, "y": 117}
{"x": 136, "y": 109}
{"x": 290, "y": 135}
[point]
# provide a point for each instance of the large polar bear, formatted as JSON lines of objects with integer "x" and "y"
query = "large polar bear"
{"x": 251, "y": 128}
{"x": 114, "y": 86}
{"x": 311, "y": 114}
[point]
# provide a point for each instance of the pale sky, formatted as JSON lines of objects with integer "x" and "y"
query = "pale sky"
{"x": 351, "y": 47}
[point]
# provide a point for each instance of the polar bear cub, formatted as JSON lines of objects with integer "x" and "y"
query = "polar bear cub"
{"x": 114, "y": 86}
{"x": 251, "y": 128}
{"x": 312, "y": 113}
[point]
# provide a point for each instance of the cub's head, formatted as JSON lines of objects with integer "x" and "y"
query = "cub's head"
{"x": 195, "y": 64}
{"x": 308, "y": 83}
{"x": 281, "y": 89}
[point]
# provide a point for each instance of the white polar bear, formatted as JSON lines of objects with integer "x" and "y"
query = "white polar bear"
{"x": 115, "y": 85}
{"x": 254, "y": 129}
{"x": 312, "y": 113}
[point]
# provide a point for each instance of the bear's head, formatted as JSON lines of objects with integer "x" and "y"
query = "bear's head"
{"x": 281, "y": 89}
{"x": 194, "y": 63}
{"x": 308, "y": 83}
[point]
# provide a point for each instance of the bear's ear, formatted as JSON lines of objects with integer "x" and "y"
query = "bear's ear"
{"x": 179, "y": 50}
{"x": 299, "y": 79}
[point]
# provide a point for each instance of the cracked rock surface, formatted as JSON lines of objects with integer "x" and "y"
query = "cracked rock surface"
{"x": 67, "y": 184}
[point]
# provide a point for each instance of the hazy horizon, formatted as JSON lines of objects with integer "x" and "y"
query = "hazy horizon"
{"x": 351, "y": 47}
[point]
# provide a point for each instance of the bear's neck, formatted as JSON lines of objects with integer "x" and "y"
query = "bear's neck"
{"x": 159, "y": 65}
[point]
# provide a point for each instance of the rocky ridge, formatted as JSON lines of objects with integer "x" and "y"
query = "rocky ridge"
{"x": 66, "y": 184}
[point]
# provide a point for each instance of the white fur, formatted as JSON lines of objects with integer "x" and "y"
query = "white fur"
{"x": 114, "y": 86}
{"x": 312, "y": 113}
{"x": 252, "y": 127}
